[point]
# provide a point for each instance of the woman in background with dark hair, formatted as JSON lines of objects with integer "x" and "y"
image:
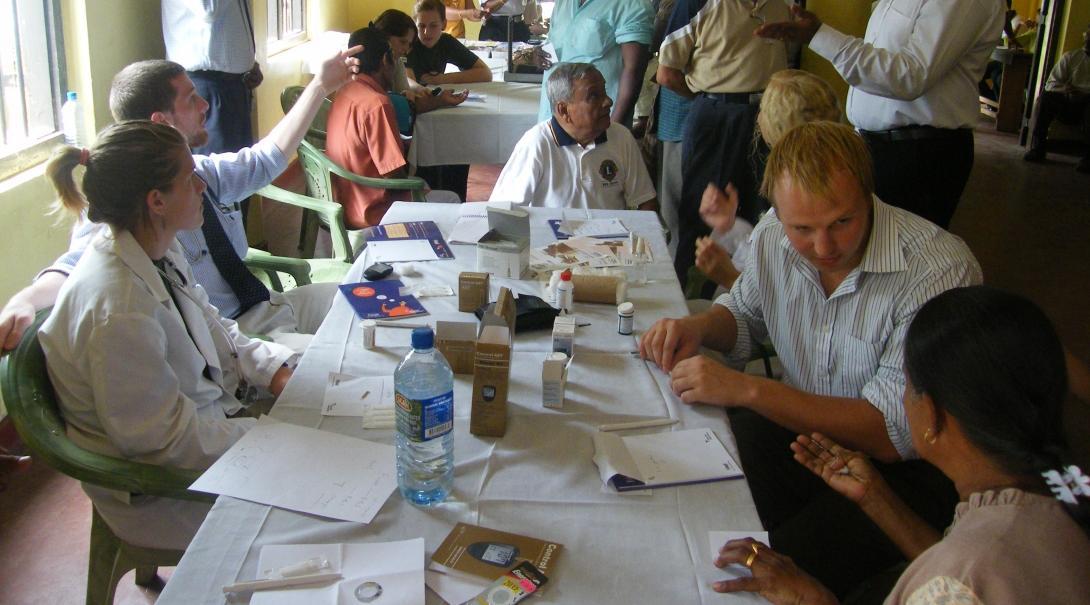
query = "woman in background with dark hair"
{"x": 986, "y": 381}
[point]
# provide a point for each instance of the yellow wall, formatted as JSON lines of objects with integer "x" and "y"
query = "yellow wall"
{"x": 1076, "y": 18}
{"x": 848, "y": 17}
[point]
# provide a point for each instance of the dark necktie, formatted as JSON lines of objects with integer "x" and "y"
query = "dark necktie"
{"x": 246, "y": 287}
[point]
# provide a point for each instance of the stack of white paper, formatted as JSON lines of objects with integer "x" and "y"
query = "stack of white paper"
{"x": 662, "y": 459}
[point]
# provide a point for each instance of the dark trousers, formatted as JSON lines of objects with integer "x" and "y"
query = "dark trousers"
{"x": 229, "y": 104}
{"x": 1069, "y": 108}
{"x": 924, "y": 175}
{"x": 450, "y": 177}
{"x": 495, "y": 28}
{"x": 827, "y": 535}
{"x": 717, "y": 141}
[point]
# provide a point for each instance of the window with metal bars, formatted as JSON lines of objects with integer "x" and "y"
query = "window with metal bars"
{"x": 31, "y": 82}
{"x": 286, "y": 20}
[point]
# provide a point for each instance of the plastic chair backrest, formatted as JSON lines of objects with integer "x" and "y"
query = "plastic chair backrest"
{"x": 32, "y": 404}
{"x": 317, "y": 170}
{"x": 316, "y": 132}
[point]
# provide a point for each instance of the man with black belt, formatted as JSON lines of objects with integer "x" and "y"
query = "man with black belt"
{"x": 913, "y": 94}
{"x": 215, "y": 44}
{"x": 520, "y": 13}
{"x": 712, "y": 57}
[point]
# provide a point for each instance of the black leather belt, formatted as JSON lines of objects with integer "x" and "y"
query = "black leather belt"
{"x": 515, "y": 18}
{"x": 750, "y": 98}
{"x": 914, "y": 133}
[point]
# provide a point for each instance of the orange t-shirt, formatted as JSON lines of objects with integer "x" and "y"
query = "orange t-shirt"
{"x": 362, "y": 137}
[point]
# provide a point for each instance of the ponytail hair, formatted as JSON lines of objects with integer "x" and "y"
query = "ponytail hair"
{"x": 128, "y": 160}
{"x": 993, "y": 361}
{"x": 60, "y": 171}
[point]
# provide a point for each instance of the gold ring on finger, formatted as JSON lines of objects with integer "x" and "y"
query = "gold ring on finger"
{"x": 753, "y": 547}
{"x": 751, "y": 558}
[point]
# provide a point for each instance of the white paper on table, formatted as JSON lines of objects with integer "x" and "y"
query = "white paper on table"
{"x": 453, "y": 589}
{"x": 595, "y": 227}
{"x": 716, "y": 540}
{"x": 481, "y": 208}
{"x": 664, "y": 459}
{"x": 275, "y": 463}
{"x": 398, "y": 567}
{"x": 469, "y": 229}
{"x": 396, "y": 251}
{"x": 478, "y": 97}
{"x": 347, "y": 395}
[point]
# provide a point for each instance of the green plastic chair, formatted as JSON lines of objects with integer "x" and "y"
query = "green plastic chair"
{"x": 270, "y": 267}
{"x": 318, "y": 170}
{"x": 317, "y": 131}
{"x": 32, "y": 404}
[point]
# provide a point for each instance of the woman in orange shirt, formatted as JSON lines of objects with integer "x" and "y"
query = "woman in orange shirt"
{"x": 457, "y": 12}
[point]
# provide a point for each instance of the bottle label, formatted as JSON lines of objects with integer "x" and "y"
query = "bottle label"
{"x": 425, "y": 419}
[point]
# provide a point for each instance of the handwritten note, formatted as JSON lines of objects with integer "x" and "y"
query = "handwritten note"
{"x": 305, "y": 470}
{"x": 347, "y": 395}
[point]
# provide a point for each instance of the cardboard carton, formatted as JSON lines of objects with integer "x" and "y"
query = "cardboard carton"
{"x": 491, "y": 377}
{"x": 472, "y": 290}
{"x": 457, "y": 341}
{"x": 505, "y": 249}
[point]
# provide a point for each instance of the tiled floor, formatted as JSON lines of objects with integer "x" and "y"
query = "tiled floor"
{"x": 1028, "y": 225}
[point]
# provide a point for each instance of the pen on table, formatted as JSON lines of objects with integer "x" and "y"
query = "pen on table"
{"x": 268, "y": 584}
{"x": 398, "y": 324}
{"x": 638, "y": 424}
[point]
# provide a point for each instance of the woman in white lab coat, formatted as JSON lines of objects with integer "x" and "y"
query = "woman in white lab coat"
{"x": 144, "y": 367}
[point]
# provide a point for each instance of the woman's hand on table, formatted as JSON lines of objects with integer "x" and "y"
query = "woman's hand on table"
{"x": 775, "y": 576}
{"x": 280, "y": 380}
{"x": 451, "y": 98}
{"x": 849, "y": 473}
{"x": 671, "y": 340}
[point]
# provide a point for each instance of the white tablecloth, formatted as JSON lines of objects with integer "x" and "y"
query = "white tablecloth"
{"x": 538, "y": 479}
{"x": 476, "y": 132}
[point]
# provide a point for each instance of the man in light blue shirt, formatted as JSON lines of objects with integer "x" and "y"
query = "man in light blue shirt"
{"x": 612, "y": 35}
{"x": 162, "y": 92}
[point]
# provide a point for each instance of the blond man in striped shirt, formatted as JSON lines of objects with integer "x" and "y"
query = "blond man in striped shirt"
{"x": 835, "y": 277}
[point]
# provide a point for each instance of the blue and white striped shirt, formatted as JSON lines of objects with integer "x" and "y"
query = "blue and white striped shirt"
{"x": 849, "y": 344}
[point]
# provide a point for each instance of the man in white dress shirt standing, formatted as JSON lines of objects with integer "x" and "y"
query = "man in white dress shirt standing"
{"x": 913, "y": 94}
{"x": 579, "y": 158}
{"x": 214, "y": 41}
{"x": 834, "y": 278}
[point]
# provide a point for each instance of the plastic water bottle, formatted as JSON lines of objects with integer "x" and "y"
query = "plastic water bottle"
{"x": 424, "y": 403}
{"x": 72, "y": 121}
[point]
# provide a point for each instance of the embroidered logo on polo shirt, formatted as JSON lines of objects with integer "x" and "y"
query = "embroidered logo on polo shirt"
{"x": 608, "y": 170}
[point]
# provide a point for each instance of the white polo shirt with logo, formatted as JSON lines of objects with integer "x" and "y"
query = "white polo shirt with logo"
{"x": 549, "y": 169}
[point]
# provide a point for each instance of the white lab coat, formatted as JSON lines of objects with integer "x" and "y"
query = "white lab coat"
{"x": 130, "y": 375}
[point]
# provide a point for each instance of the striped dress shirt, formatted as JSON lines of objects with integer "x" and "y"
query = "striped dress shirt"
{"x": 851, "y": 343}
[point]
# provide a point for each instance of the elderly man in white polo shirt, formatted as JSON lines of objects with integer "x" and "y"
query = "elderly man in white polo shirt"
{"x": 577, "y": 159}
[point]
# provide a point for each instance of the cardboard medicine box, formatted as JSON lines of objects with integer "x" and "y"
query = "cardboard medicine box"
{"x": 505, "y": 249}
{"x": 473, "y": 290}
{"x": 457, "y": 341}
{"x": 491, "y": 378}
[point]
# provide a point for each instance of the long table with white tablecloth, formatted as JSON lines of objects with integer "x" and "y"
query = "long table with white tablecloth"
{"x": 538, "y": 479}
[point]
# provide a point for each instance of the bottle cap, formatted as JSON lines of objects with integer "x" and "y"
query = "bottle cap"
{"x": 558, "y": 356}
{"x": 565, "y": 275}
{"x": 71, "y": 95}
{"x": 626, "y": 308}
{"x": 423, "y": 338}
